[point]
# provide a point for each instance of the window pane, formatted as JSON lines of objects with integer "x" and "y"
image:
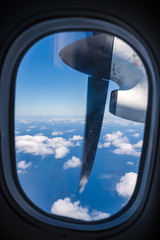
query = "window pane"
{"x": 80, "y": 106}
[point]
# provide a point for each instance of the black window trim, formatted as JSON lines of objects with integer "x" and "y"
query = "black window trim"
{"x": 13, "y": 57}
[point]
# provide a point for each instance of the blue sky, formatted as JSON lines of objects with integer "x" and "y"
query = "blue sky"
{"x": 47, "y": 86}
{"x": 50, "y": 108}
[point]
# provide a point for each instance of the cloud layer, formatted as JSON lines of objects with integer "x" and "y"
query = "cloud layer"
{"x": 126, "y": 185}
{"x": 57, "y": 133}
{"x": 76, "y": 138}
{"x": 22, "y": 166}
{"x": 42, "y": 145}
{"x": 65, "y": 207}
{"x": 122, "y": 144}
{"x": 72, "y": 163}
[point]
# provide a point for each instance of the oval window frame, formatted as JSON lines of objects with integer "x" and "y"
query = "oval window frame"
{"x": 8, "y": 77}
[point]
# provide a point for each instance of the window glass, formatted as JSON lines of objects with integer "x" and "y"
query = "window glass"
{"x": 80, "y": 106}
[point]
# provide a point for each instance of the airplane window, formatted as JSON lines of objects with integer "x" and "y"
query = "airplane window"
{"x": 80, "y": 108}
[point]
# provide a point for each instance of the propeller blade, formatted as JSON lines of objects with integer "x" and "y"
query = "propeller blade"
{"x": 96, "y": 99}
{"x": 92, "y": 56}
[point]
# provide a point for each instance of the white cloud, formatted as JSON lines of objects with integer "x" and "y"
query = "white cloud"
{"x": 23, "y": 165}
{"x": 126, "y": 149}
{"x": 24, "y": 121}
{"x": 118, "y": 121}
{"x": 113, "y": 136}
{"x": 71, "y": 130}
{"x": 127, "y": 184}
{"x": 107, "y": 144}
{"x": 61, "y": 152}
{"x": 64, "y": 207}
{"x": 36, "y": 145}
{"x": 136, "y": 135}
{"x": 57, "y": 133}
{"x": 43, "y": 128}
{"x": 32, "y": 127}
{"x": 28, "y": 130}
{"x": 138, "y": 144}
{"x": 130, "y": 130}
{"x": 58, "y": 142}
{"x": 137, "y": 124}
{"x": 122, "y": 144}
{"x": 72, "y": 163}
{"x": 130, "y": 163}
{"x": 19, "y": 171}
{"x": 73, "y": 121}
{"x": 97, "y": 215}
{"x": 107, "y": 176}
{"x": 17, "y": 132}
{"x": 76, "y": 138}
{"x": 100, "y": 145}
{"x": 42, "y": 145}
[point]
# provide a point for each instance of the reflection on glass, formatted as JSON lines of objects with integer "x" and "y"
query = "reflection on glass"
{"x": 80, "y": 106}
